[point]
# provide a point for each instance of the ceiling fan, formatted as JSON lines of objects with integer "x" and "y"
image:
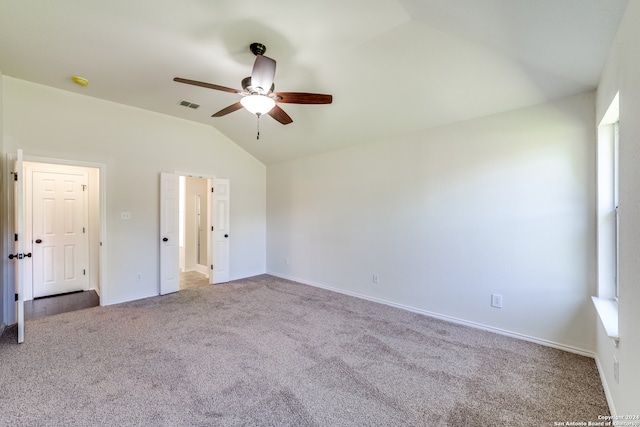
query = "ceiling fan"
{"x": 257, "y": 92}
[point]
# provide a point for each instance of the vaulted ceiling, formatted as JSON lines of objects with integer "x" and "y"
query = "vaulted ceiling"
{"x": 392, "y": 66}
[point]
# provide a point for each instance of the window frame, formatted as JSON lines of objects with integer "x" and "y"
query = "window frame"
{"x": 616, "y": 206}
{"x": 608, "y": 220}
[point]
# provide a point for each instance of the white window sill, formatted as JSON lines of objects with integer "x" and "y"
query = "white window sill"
{"x": 608, "y": 312}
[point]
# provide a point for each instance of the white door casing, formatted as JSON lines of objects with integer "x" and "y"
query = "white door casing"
{"x": 59, "y": 233}
{"x": 219, "y": 251}
{"x": 169, "y": 233}
{"x": 95, "y": 172}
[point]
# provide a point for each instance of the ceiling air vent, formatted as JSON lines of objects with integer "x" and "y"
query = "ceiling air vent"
{"x": 189, "y": 104}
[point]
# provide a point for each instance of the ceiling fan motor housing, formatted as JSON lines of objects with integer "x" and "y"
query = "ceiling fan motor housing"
{"x": 246, "y": 85}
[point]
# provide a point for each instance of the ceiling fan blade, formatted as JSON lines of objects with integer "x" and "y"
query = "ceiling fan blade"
{"x": 279, "y": 114}
{"x": 207, "y": 85}
{"x": 264, "y": 70}
{"x": 230, "y": 109}
{"x": 303, "y": 98}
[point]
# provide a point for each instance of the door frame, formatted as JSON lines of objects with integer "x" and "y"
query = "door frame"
{"x": 190, "y": 245}
{"x": 29, "y": 168}
{"x": 210, "y": 178}
{"x": 102, "y": 234}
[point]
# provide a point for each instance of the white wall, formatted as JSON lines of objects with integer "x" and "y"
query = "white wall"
{"x": 622, "y": 73}
{"x": 136, "y": 145}
{"x": 503, "y": 204}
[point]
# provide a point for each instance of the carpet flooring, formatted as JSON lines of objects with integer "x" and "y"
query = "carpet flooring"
{"x": 270, "y": 352}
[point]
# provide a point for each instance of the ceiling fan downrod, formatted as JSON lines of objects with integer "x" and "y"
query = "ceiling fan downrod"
{"x": 258, "y": 127}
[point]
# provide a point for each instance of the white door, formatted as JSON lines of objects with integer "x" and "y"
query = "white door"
{"x": 220, "y": 240}
{"x": 60, "y": 239}
{"x": 18, "y": 255}
{"x": 169, "y": 233}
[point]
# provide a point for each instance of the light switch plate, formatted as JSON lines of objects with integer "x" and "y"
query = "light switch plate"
{"x": 496, "y": 300}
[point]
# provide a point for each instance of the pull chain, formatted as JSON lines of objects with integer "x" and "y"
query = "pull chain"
{"x": 258, "y": 134}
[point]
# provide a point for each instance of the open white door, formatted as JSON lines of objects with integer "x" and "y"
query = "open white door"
{"x": 18, "y": 254}
{"x": 219, "y": 251}
{"x": 169, "y": 233}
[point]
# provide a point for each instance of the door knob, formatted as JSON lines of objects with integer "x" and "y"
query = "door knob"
{"x": 38, "y": 240}
{"x": 164, "y": 239}
{"x": 20, "y": 256}
{"x": 226, "y": 235}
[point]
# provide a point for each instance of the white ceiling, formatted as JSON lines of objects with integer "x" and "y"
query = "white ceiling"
{"x": 392, "y": 66}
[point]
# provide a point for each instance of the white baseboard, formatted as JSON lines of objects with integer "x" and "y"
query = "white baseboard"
{"x": 202, "y": 269}
{"x": 456, "y": 320}
{"x": 122, "y": 301}
{"x": 96, "y": 289}
{"x": 605, "y": 386}
{"x": 246, "y": 276}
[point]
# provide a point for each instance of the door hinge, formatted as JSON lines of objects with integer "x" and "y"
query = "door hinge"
{"x": 84, "y": 187}
{"x": 83, "y": 230}
{"x": 212, "y": 228}
{"x": 212, "y": 266}
{"x": 15, "y": 176}
{"x": 212, "y": 189}
{"x": 84, "y": 272}
{"x": 16, "y": 237}
{"x": 17, "y": 297}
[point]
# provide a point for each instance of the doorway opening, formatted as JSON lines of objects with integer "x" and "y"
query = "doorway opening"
{"x": 194, "y": 227}
{"x": 62, "y": 229}
{"x": 193, "y": 233}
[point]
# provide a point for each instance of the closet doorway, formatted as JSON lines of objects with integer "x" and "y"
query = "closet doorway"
{"x": 61, "y": 229}
{"x": 194, "y": 236}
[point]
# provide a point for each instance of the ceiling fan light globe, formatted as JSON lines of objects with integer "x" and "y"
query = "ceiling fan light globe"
{"x": 258, "y": 104}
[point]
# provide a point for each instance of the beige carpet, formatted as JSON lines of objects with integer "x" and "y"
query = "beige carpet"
{"x": 269, "y": 352}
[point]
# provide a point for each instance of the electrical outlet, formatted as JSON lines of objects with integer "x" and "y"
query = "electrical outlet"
{"x": 375, "y": 278}
{"x": 496, "y": 300}
{"x": 616, "y": 370}
{"x": 125, "y": 215}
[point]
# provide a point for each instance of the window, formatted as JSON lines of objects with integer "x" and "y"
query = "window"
{"x": 608, "y": 203}
{"x": 608, "y": 209}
